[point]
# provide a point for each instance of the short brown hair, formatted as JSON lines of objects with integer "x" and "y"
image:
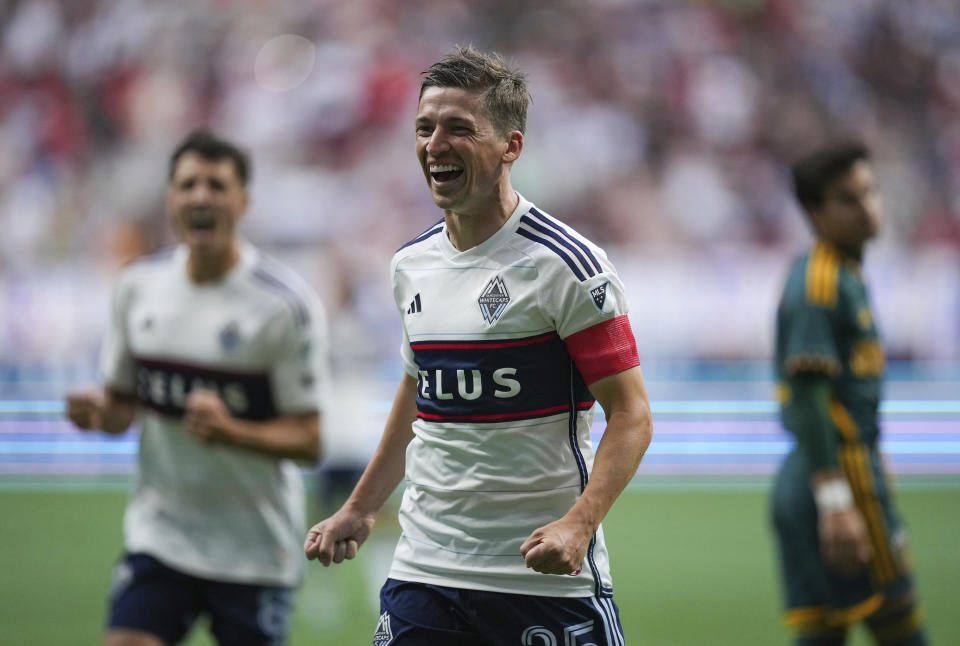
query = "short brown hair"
{"x": 814, "y": 172}
{"x": 503, "y": 90}
{"x": 212, "y": 148}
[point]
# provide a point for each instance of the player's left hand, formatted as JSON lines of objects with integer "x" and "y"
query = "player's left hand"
{"x": 557, "y": 548}
{"x": 206, "y": 417}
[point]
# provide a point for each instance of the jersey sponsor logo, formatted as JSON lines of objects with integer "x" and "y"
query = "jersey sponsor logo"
{"x": 497, "y": 380}
{"x": 163, "y": 386}
{"x": 493, "y": 300}
{"x": 599, "y": 295}
{"x": 383, "y": 634}
{"x": 415, "y": 307}
{"x": 439, "y": 384}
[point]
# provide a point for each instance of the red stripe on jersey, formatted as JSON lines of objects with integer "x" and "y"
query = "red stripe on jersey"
{"x": 481, "y": 346}
{"x": 498, "y": 416}
{"x": 603, "y": 349}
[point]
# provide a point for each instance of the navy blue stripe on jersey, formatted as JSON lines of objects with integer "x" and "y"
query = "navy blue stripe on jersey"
{"x": 597, "y": 582}
{"x": 497, "y": 381}
{"x": 432, "y": 231}
{"x": 556, "y": 225}
{"x": 581, "y": 467}
{"x": 551, "y": 239}
{"x": 550, "y": 245}
{"x": 297, "y": 302}
{"x": 164, "y": 385}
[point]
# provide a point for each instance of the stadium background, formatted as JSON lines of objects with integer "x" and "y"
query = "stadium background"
{"x": 661, "y": 129}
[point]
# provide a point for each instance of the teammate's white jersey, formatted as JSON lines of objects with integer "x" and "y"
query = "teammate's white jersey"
{"x": 257, "y": 338}
{"x": 503, "y": 339}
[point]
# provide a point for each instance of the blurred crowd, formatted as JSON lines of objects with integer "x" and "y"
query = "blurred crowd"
{"x": 662, "y": 129}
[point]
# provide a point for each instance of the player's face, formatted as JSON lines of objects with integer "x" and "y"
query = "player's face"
{"x": 850, "y": 213}
{"x": 465, "y": 160}
{"x": 205, "y": 200}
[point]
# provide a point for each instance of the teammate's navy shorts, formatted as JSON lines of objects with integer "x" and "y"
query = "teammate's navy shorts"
{"x": 153, "y": 598}
{"x": 421, "y": 614}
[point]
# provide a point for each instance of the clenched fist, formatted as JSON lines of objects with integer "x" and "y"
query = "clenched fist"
{"x": 86, "y": 409}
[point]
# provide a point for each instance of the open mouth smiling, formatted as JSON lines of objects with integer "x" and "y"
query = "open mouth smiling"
{"x": 444, "y": 172}
{"x": 201, "y": 221}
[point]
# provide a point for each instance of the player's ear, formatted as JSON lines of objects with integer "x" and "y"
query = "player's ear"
{"x": 244, "y": 203}
{"x": 168, "y": 206}
{"x": 514, "y": 146}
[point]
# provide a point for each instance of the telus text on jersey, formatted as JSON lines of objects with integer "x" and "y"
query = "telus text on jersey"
{"x": 164, "y": 387}
{"x": 457, "y": 384}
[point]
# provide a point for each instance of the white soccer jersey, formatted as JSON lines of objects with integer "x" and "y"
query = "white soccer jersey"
{"x": 503, "y": 339}
{"x": 257, "y": 338}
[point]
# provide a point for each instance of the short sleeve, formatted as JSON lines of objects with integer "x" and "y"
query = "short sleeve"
{"x": 406, "y": 355}
{"x": 117, "y": 366}
{"x": 809, "y": 342}
{"x": 406, "y": 352}
{"x": 591, "y": 317}
{"x": 300, "y": 372}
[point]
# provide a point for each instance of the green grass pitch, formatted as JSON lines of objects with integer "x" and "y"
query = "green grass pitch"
{"x": 692, "y": 565}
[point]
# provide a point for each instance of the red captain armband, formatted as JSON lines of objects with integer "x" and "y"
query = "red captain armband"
{"x": 603, "y": 349}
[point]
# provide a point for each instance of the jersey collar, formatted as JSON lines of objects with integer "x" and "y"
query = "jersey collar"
{"x": 493, "y": 242}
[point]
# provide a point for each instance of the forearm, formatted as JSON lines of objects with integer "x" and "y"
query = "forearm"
{"x": 618, "y": 456}
{"x": 808, "y": 410}
{"x": 386, "y": 469}
{"x": 296, "y": 437}
{"x": 118, "y": 412}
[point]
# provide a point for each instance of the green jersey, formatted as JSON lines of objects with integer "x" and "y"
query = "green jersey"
{"x": 825, "y": 325}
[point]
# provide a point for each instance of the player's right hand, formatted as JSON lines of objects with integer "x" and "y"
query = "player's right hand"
{"x": 85, "y": 408}
{"x": 339, "y": 537}
{"x": 844, "y": 540}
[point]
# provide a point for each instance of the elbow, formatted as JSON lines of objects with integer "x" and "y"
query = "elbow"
{"x": 634, "y": 427}
{"x": 312, "y": 450}
{"x": 642, "y": 420}
{"x": 643, "y": 425}
{"x": 646, "y": 423}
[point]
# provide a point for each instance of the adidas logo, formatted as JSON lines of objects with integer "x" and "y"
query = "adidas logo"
{"x": 414, "y": 305}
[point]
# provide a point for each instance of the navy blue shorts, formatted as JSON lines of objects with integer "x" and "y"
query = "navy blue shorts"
{"x": 421, "y": 614}
{"x": 153, "y": 598}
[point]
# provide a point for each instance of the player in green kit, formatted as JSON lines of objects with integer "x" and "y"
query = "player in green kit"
{"x": 842, "y": 545}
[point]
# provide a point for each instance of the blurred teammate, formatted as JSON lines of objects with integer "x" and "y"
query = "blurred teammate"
{"x": 513, "y": 325}
{"x": 842, "y": 545}
{"x": 219, "y": 352}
